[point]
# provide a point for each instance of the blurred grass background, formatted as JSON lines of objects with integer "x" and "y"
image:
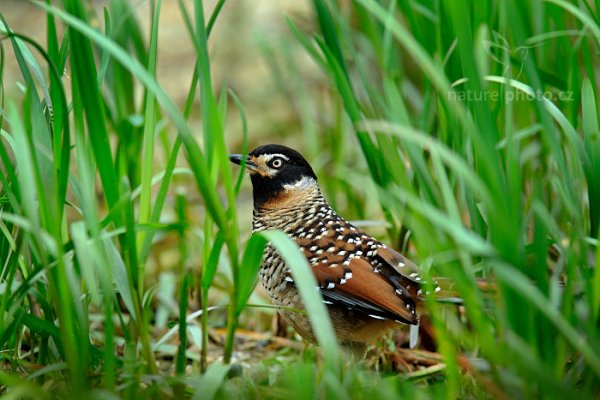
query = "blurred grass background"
{"x": 463, "y": 133}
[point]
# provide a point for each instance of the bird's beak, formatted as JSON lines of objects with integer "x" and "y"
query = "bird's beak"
{"x": 238, "y": 158}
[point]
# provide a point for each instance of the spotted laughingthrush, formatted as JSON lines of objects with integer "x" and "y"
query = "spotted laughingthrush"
{"x": 368, "y": 287}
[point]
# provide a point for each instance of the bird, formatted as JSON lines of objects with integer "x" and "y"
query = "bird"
{"x": 367, "y": 287}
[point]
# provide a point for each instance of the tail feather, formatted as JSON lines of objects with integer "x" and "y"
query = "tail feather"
{"x": 445, "y": 292}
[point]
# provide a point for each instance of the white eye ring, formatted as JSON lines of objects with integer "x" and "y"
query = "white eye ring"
{"x": 277, "y": 163}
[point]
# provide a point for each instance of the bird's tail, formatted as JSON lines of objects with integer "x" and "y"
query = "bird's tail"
{"x": 445, "y": 291}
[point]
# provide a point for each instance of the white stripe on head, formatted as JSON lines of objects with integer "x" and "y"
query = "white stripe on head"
{"x": 305, "y": 182}
{"x": 269, "y": 157}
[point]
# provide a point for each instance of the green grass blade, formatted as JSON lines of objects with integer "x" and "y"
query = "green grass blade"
{"x": 83, "y": 68}
{"x": 307, "y": 285}
{"x": 591, "y": 163}
{"x": 518, "y": 281}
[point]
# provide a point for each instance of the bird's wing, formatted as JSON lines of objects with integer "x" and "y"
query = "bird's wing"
{"x": 357, "y": 272}
{"x": 399, "y": 269}
{"x": 357, "y": 287}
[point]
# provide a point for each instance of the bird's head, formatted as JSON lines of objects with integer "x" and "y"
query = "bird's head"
{"x": 276, "y": 172}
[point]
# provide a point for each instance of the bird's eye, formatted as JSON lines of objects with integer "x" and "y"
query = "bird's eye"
{"x": 276, "y": 162}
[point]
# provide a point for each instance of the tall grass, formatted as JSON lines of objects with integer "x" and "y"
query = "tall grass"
{"x": 476, "y": 121}
{"x": 520, "y": 185}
